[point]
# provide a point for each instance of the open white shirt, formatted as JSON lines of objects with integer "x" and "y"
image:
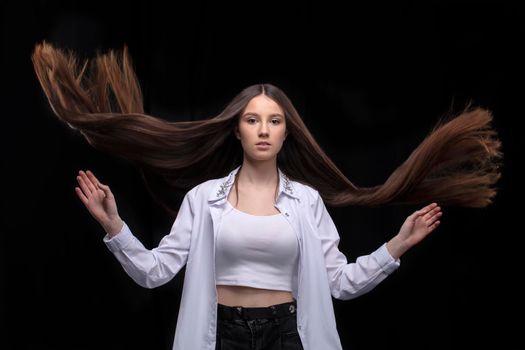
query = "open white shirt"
{"x": 324, "y": 271}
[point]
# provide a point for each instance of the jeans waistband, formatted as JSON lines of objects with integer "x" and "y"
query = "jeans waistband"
{"x": 250, "y": 313}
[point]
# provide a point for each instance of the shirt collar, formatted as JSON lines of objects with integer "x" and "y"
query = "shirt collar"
{"x": 222, "y": 188}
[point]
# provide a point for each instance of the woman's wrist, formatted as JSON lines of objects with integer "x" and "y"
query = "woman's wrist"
{"x": 397, "y": 247}
{"x": 113, "y": 227}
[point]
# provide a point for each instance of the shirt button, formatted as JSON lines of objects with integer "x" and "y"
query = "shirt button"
{"x": 286, "y": 214}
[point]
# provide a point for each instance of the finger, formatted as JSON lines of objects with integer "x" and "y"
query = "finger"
{"x": 429, "y": 207}
{"x": 434, "y": 218}
{"x": 92, "y": 177}
{"x": 428, "y": 210}
{"x": 96, "y": 183}
{"x": 415, "y": 215}
{"x": 102, "y": 189}
{"x": 84, "y": 186}
{"x": 432, "y": 213}
{"x": 83, "y": 198}
{"x": 88, "y": 182}
{"x": 418, "y": 213}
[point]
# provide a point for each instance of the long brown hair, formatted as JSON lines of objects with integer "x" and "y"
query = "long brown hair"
{"x": 456, "y": 164}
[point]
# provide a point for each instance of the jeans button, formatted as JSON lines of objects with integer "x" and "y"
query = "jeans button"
{"x": 292, "y": 308}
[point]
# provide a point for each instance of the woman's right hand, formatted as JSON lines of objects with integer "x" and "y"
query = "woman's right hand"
{"x": 99, "y": 201}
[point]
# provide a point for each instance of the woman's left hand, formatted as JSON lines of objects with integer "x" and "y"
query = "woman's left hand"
{"x": 415, "y": 228}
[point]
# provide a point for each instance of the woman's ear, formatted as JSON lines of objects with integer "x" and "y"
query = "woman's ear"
{"x": 236, "y": 132}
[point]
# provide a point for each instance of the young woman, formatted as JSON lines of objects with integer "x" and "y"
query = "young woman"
{"x": 260, "y": 248}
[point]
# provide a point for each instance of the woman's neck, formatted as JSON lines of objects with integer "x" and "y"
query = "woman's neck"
{"x": 260, "y": 175}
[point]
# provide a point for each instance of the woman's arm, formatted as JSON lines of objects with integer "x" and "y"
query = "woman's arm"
{"x": 349, "y": 280}
{"x": 148, "y": 268}
{"x": 155, "y": 267}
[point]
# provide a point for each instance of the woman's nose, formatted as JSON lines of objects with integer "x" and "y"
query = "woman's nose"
{"x": 264, "y": 129}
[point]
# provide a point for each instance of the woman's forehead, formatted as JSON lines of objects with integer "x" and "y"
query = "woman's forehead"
{"x": 263, "y": 104}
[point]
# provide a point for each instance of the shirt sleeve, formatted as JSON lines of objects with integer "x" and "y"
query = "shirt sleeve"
{"x": 349, "y": 280}
{"x": 155, "y": 267}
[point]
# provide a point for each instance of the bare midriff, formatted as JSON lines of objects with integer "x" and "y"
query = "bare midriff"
{"x": 251, "y": 297}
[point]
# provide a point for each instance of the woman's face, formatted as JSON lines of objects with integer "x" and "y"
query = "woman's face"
{"x": 261, "y": 121}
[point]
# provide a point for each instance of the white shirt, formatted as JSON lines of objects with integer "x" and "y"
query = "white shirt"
{"x": 260, "y": 251}
{"x": 323, "y": 268}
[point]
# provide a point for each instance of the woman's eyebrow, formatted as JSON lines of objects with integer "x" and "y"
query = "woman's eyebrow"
{"x": 257, "y": 115}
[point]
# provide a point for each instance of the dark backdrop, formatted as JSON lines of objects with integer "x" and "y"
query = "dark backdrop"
{"x": 370, "y": 82}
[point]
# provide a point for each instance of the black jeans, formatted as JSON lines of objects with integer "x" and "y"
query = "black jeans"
{"x": 258, "y": 328}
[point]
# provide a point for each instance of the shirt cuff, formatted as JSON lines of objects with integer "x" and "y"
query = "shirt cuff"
{"x": 385, "y": 260}
{"x": 120, "y": 240}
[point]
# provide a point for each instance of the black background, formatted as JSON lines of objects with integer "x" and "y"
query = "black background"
{"x": 370, "y": 81}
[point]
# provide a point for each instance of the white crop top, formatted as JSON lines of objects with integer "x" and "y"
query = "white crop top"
{"x": 259, "y": 251}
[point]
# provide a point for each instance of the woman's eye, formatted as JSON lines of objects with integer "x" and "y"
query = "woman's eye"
{"x": 250, "y": 120}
